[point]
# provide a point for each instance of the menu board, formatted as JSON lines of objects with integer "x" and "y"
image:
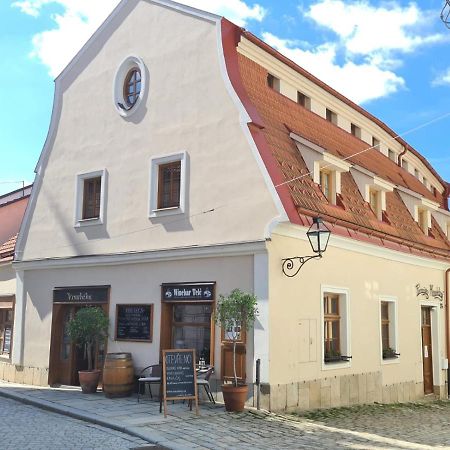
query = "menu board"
{"x": 179, "y": 376}
{"x": 7, "y": 341}
{"x": 134, "y": 322}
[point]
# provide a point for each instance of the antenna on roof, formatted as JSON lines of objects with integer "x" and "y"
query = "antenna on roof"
{"x": 445, "y": 13}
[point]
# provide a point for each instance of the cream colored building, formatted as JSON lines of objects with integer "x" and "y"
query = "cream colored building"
{"x": 198, "y": 169}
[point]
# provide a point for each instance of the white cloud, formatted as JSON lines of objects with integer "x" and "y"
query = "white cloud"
{"x": 80, "y": 18}
{"x": 365, "y": 29}
{"x": 442, "y": 79}
{"x": 359, "y": 82}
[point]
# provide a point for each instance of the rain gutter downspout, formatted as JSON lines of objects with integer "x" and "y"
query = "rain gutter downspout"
{"x": 447, "y": 331}
{"x": 399, "y": 162}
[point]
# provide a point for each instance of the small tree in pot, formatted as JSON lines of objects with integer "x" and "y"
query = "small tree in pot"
{"x": 87, "y": 328}
{"x": 235, "y": 313}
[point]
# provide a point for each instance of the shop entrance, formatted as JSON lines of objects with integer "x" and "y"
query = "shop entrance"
{"x": 67, "y": 358}
{"x": 427, "y": 351}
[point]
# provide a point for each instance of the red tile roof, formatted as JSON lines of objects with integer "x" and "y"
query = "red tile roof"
{"x": 7, "y": 249}
{"x": 275, "y": 117}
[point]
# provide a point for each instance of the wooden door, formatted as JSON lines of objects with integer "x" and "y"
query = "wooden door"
{"x": 427, "y": 351}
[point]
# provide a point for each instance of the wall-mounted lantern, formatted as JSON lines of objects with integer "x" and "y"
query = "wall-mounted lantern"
{"x": 318, "y": 236}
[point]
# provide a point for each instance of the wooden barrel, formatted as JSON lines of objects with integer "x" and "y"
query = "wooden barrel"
{"x": 118, "y": 375}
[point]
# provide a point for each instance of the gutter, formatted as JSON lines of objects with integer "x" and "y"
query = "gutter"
{"x": 399, "y": 162}
{"x": 447, "y": 324}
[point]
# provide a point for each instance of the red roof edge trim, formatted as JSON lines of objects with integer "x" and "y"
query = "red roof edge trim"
{"x": 231, "y": 35}
{"x": 260, "y": 43}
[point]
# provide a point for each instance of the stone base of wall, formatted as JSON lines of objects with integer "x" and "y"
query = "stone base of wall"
{"x": 336, "y": 391}
{"x": 23, "y": 375}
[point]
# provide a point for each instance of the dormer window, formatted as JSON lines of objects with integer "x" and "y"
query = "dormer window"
{"x": 326, "y": 184}
{"x": 356, "y": 131}
{"x": 273, "y": 82}
{"x": 375, "y": 143}
{"x": 331, "y": 116}
{"x": 375, "y": 203}
{"x": 424, "y": 219}
{"x": 304, "y": 100}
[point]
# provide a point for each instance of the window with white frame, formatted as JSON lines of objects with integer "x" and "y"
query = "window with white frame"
{"x": 356, "y": 131}
{"x": 375, "y": 203}
{"x": 89, "y": 199}
{"x": 335, "y": 331}
{"x": 168, "y": 184}
{"x": 388, "y": 329}
{"x": 424, "y": 219}
{"x": 331, "y": 116}
{"x": 327, "y": 185}
{"x": 273, "y": 82}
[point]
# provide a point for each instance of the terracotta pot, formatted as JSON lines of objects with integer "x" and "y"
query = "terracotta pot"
{"x": 89, "y": 380}
{"x": 234, "y": 397}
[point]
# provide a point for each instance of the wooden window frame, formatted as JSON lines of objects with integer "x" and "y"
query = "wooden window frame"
{"x": 385, "y": 321}
{"x": 174, "y": 186}
{"x": 127, "y": 83}
{"x": 329, "y": 319}
{"x": 81, "y": 217}
{"x": 90, "y": 212}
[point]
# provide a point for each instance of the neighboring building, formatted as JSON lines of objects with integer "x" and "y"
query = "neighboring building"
{"x": 12, "y": 209}
{"x": 200, "y": 175}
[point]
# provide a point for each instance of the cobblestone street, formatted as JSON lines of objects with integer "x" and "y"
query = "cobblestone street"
{"x": 417, "y": 426}
{"x": 27, "y": 427}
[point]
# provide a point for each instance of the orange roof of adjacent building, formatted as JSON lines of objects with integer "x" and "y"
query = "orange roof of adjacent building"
{"x": 7, "y": 249}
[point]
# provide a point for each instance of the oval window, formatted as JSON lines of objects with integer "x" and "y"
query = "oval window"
{"x": 132, "y": 87}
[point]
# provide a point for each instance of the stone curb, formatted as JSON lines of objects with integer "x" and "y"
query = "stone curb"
{"x": 90, "y": 418}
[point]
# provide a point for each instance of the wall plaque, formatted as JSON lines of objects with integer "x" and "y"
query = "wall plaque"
{"x": 7, "y": 341}
{"x": 188, "y": 291}
{"x": 82, "y": 294}
{"x": 134, "y": 322}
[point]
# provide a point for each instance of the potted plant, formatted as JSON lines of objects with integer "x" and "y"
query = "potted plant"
{"x": 87, "y": 328}
{"x": 235, "y": 313}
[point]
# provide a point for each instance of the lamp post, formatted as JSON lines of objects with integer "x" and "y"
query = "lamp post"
{"x": 318, "y": 236}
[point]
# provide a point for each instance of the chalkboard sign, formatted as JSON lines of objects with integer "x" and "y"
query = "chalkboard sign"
{"x": 134, "y": 322}
{"x": 179, "y": 377}
{"x": 7, "y": 341}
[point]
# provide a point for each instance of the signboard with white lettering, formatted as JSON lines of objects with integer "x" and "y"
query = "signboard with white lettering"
{"x": 203, "y": 292}
{"x": 7, "y": 341}
{"x": 134, "y": 322}
{"x": 179, "y": 377}
{"x": 82, "y": 294}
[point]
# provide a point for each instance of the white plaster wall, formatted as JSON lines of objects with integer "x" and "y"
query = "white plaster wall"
{"x": 7, "y": 280}
{"x": 134, "y": 283}
{"x": 187, "y": 108}
{"x": 296, "y": 300}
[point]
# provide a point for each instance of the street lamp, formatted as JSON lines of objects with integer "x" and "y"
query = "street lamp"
{"x": 318, "y": 236}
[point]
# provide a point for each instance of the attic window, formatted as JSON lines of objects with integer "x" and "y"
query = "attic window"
{"x": 375, "y": 203}
{"x": 304, "y": 100}
{"x": 356, "y": 131}
{"x": 331, "y": 116}
{"x": 375, "y": 143}
{"x": 132, "y": 87}
{"x": 423, "y": 219}
{"x": 326, "y": 184}
{"x": 392, "y": 155}
{"x": 416, "y": 173}
{"x": 273, "y": 82}
{"x": 405, "y": 164}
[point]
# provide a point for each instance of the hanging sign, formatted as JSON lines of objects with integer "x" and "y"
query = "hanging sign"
{"x": 82, "y": 294}
{"x": 179, "y": 377}
{"x": 193, "y": 291}
{"x": 134, "y": 322}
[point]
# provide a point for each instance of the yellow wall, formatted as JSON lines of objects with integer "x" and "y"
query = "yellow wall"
{"x": 295, "y": 311}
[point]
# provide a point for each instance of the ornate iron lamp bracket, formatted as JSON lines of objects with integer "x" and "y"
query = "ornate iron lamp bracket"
{"x": 292, "y": 266}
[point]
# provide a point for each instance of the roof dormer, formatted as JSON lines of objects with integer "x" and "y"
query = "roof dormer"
{"x": 324, "y": 168}
{"x": 419, "y": 207}
{"x": 373, "y": 189}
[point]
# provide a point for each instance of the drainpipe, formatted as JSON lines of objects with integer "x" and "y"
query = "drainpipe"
{"x": 399, "y": 162}
{"x": 447, "y": 324}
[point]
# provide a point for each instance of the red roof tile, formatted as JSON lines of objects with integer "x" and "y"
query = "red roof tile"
{"x": 276, "y": 117}
{"x": 7, "y": 249}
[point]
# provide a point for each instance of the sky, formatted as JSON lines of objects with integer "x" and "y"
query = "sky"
{"x": 391, "y": 57}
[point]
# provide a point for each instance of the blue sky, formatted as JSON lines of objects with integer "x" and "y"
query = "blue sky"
{"x": 393, "y": 58}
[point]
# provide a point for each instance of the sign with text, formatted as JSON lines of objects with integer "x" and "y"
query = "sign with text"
{"x": 7, "y": 341}
{"x": 82, "y": 294}
{"x": 183, "y": 291}
{"x": 179, "y": 377}
{"x": 134, "y": 322}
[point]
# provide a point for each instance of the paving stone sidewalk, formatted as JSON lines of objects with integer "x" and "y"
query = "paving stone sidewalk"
{"x": 216, "y": 429}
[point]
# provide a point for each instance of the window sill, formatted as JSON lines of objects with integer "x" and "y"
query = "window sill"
{"x": 173, "y": 210}
{"x": 336, "y": 365}
{"x": 88, "y": 222}
{"x": 390, "y": 360}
